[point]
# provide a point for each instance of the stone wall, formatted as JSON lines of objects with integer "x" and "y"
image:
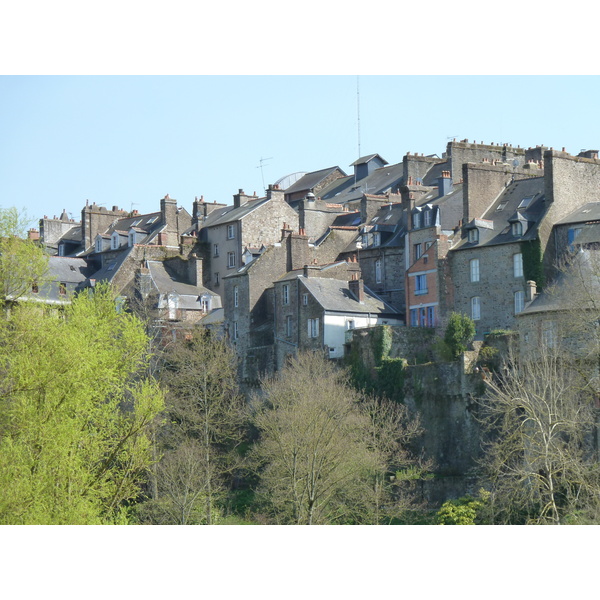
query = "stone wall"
{"x": 496, "y": 286}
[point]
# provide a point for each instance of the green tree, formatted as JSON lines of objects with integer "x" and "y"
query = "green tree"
{"x": 322, "y": 455}
{"x": 75, "y": 410}
{"x": 459, "y": 333}
{"x": 23, "y": 262}
{"x": 204, "y": 426}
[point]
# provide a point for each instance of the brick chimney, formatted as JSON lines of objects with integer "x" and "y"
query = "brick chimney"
{"x": 33, "y": 234}
{"x": 357, "y": 288}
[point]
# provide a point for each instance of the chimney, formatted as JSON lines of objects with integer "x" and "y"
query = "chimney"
{"x": 33, "y": 234}
{"x": 240, "y": 198}
{"x": 357, "y": 288}
{"x": 195, "y": 270}
{"x": 588, "y": 154}
{"x": 444, "y": 184}
{"x": 531, "y": 291}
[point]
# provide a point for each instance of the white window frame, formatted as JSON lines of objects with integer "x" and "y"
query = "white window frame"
{"x": 518, "y": 265}
{"x": 417, "y": 220}
{"x": 285, "y": 293}
{"x": 414, "y": 317}
{"x": 114, "y": 241}
{"x": 235, "y": 296}
{"x": 231, "y": 260}
{"x": 418, "y": 251}
{"x": 131, "y": 239}
{"x": 231, "y": 231}
{"x": 235, "y": 330}
{"x": 476, "y": 308}
{"x": 99, "y": 245}
{"x": 519, "y": 301}
{"x": 378, "y": 277}
{"x": 313, "y": 328}
{"x": 474, "y": 270}
{"x": 304, "y": 299}
{"x": 473, "y": 235}
{"x": 376, "y": 238}
{"x": 420, "y": 284}
{"x": 427, "y": 218}
{"x": 215, "y": 250}
{"x": 517, "y": 229}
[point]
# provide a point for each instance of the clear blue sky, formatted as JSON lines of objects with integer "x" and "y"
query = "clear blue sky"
{"x": 128, "y": 141}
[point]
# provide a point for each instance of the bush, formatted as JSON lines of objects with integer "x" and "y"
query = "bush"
{"x": 459, "y": 333}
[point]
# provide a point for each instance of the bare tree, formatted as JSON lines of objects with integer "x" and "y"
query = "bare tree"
{"x": 202, "y": 429}
{"x": 322, "y": 454}
{"x": 541, "y": 459}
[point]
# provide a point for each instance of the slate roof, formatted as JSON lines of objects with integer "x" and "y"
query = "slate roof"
{"x": 588, "y": 212}
{"x": 334, "y": 295}
{"x": 68, "y": 270}
{"x": 365, "y": 159}
{"x": 230, "y": 214}
{"x": 188, "y": 294}
{"x": 451, "y": 206}
{"x": 503, "y": 211}
{"x": 382, "y": 180}
{"x": 112, "y": 265}
{"x": 311, "y": 180}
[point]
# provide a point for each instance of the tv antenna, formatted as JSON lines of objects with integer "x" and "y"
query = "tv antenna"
{"x": 358, "y": 111}
{"x": 260, "y": 166}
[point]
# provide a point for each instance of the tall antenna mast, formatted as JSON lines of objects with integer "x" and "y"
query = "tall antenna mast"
{"x": 358, "y": 111}
{"x": 260, "y": 166}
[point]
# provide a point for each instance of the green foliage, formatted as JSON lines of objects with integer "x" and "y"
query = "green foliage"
{"x": 75, "y": 410}
{"x": 463, "y": 511}
{"x": 442, "y": 351}
{"x": 532, "y": 262}
{"x": 459, "y": 333}
{"x": 390, "y": 378}
{"x": 382, "y": 343}
{"x": 23, "y": 262}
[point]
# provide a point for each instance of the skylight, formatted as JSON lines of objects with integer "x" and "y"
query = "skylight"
{"x": 525, "y": 202}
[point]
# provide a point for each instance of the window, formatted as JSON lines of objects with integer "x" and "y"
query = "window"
{"x": 549, "y": 333}
{"x": 517, "y": 229}
{"x": 305, "y": 299}
{"x": 62, "y": 289}
{"x": 474, "y": 268}
{"x": 474, "y": 235}
{"x": 417, "y": 220}
{"x": 414, "y": 320}
{"x": 420, "y": 285}
{"x": 378, "y": 278}
{"x": 286, "y": 294}
{"x": 288, "y": 326}
{"x": 571, "y": 235}
{"x": 525, "y": 202}
{"x": 313, "y": 328}
{"x": 98, "y": 245}
{"x": 215, "y": 249}
{"x": 235, "y": 330}
{"x": 235, "y": 296}
{"x": 475, "y": 308}
{"x": 431, "y": 316}
{"x": 114, "y": 241}
{"x": 230, "y": 260}
{"x": 377, "y": 239}
{"x": 519, "y": 301}
{"x": 61, "y": 249}
{"x": 205, "y": 303}
{"x": 230, "y": 232}
{"x": 518, "y": 265}
{"x": 131, "y": 239}
{"x": 350, "y": 324}
{"x": 427, "y": 218}
{"x": 422, "y": 317}
{"x": 418, "y": 251}
{"x": 428, "y": 245}
{"x": 217, "y": 279}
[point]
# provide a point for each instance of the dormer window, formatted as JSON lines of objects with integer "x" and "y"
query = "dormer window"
{"x": 473, "y": 235}
{"x": 427, "y": 218}
{"x": 131, "y": 239}
{"x": 376, "y": 238}
{"x": 517, "y": 229}
{"x": 99, "y": 245}
{"x": 417, "y": 220}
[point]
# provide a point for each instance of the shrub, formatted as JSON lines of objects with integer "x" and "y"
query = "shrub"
{"x": 459, "y": 333}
